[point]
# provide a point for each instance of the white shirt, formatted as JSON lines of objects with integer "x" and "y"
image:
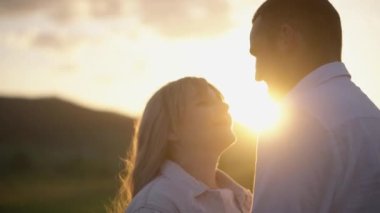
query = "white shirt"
{"x": 175, "y": 191}
{"x": 326, "y": 156}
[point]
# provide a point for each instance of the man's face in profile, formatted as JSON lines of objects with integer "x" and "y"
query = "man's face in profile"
{"x": 261, "y": 49}
{"x": 269, "y": 57}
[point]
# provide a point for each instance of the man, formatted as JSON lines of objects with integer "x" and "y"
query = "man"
{"x": 326, "y": 156}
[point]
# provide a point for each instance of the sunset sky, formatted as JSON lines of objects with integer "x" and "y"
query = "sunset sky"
{"x": 113, "y": 54}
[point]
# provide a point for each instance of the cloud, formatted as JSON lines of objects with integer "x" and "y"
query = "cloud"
{"x": 53, "y": 40}
{"x": 22, "y": 7}
{"x": 46, "y": 39}
{"x": 170, "y": 18}
{"x": 95, "y": 9}
{"x": 16, "y": 39}
{"x": 68, "y": 68}
{"x": 107, "y": 8}
{"x": 56, "y": 41}
{"x": 180, "y": 18}
{"x": 63, "y": 10}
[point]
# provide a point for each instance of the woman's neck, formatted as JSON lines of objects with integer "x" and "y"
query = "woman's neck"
{"x": 201, "y": 166}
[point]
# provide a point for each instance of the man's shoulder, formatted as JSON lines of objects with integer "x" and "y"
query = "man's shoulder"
{"x": 296, "y": 120}
{"x": 335, "y": 105}
{"x": 299, "y": 130}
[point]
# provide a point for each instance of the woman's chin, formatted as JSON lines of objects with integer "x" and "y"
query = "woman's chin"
{"x": 229, "y": 140}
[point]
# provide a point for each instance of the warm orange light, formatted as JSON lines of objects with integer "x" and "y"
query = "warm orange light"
{"x": 255, "y": 110}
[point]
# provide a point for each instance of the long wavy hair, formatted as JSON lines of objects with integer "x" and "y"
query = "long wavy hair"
{"x": 151, "y": 145}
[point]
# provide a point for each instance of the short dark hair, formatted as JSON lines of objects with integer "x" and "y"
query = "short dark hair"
{"x": 317, "y": 20}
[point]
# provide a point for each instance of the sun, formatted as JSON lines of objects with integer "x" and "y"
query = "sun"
{"x": 257, "y": 115}
{"x": 252, "y": 107}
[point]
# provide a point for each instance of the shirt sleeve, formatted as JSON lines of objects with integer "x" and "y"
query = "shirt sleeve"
{"x": 294, "y": 168}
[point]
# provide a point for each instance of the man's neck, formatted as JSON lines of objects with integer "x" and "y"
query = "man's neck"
{"x": 301, "y": 71}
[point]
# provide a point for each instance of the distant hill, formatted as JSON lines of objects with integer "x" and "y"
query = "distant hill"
{"x": 40, "y": 118}
{"x": 70, "y": 156}
{"x": 52, "y": 134}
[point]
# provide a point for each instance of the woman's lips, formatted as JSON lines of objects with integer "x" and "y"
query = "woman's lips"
{"x": 224, "y": 121}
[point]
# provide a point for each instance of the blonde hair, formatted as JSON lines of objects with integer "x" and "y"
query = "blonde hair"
{"x": 151, "y": 146}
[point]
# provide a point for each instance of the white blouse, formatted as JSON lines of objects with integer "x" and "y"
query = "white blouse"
{"x": 176, "y": 191}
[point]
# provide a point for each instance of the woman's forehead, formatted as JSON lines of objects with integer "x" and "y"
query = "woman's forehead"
{"x": 203, "y": 92}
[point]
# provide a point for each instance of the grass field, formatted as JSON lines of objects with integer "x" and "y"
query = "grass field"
{"x": 55, "y": 194}
{"x": 91, "y": 193}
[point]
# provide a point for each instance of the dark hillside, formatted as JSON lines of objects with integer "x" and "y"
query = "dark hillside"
{"x": 56, "y": 156}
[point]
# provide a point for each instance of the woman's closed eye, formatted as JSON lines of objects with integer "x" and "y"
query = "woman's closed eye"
{"x": 204, "y": 102}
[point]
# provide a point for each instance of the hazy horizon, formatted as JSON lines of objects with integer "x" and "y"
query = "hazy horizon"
{"x": 112, "y": 55}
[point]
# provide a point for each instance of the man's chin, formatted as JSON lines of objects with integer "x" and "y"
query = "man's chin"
{"x": 276, "y": 94}
{"x": 274, "y": 91}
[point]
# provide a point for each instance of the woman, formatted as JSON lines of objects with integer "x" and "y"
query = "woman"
{"x": 174, "y": 157}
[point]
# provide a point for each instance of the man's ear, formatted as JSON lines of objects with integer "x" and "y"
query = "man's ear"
{"x": 288, "y": 38}
{"x": 173, "y": 135}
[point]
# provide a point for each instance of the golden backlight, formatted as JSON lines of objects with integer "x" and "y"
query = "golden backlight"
{"x": 224, "y": 61}
{"x": 254, "y": 109}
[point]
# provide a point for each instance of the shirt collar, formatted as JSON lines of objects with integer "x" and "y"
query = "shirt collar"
{"x": 318, "y": 77}
{"x": 177, "y": 174}
{"x": 242, "y": 195}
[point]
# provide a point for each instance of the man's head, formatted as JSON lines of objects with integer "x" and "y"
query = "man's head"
{"x": 290, "y": 38}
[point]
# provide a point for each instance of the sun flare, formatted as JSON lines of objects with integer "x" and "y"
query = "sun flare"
{"x": 255, "y": 110}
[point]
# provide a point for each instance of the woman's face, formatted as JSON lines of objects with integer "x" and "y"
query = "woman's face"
{"x": 206, "y": 123}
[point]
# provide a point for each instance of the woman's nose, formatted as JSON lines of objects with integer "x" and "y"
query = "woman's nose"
{"x": 225, "y": 106}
